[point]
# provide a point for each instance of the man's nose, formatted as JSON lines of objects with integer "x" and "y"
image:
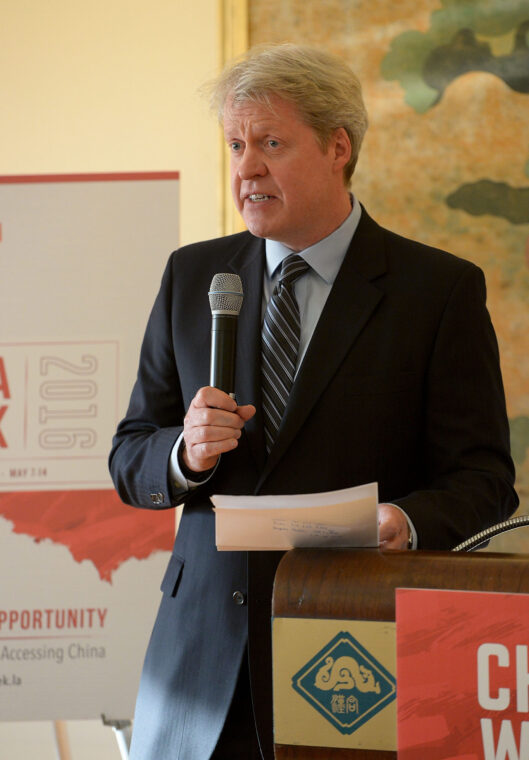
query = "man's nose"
{"x": 251, "y": 164}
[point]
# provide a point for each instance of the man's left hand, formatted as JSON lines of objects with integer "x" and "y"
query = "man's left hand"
{"x": 393, "y": 530}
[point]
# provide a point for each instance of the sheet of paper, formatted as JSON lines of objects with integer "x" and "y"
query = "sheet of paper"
{"x": 331, "y": 519}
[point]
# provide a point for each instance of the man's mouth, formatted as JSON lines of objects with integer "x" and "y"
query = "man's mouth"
{"x": 258, "y": 197}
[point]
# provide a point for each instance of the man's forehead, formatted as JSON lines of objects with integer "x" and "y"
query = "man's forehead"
{"x": 262, "y": 107}
{"x": 261, "y": 101}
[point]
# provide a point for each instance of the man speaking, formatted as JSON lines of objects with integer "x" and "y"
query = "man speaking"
{"x": 360, "y": 356}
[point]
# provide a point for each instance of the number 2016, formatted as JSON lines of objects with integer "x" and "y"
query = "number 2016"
{"x": 61, "y": 393}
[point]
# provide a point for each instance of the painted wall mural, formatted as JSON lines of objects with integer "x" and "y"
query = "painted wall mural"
{"x": 446, "y": 156}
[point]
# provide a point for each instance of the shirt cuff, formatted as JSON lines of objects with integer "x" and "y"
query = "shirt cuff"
{"x": 176, "y": 475}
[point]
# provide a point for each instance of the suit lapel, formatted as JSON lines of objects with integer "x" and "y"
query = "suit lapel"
{"x": 350, "y": 305}
{"x": 248, "y": 263}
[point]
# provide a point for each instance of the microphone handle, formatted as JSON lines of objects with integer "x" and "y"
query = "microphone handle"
{"x": 223, "y": 343}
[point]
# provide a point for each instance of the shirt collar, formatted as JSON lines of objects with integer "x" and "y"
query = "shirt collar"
{"x": 324, "y": 257}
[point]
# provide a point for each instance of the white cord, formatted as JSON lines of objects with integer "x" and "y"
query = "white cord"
{"x": 494, "y": 530}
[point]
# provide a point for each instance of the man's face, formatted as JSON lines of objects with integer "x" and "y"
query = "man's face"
{"x": 284, "y": 185}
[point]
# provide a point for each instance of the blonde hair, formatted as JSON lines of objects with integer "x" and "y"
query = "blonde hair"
{"x": 326, "y": 92}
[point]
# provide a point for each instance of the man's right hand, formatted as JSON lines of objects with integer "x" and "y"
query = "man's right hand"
{"x": 212, "y": 426}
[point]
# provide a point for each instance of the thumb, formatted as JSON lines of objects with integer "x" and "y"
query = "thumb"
{"x": 246, "y": 412}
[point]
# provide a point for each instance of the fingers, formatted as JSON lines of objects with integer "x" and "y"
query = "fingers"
{"x": 212, "y": 397}
{"x": 212, "y": 426}
{"x": 393, "y": 530}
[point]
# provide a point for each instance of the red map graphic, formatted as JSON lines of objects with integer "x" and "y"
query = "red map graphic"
{"x": 93, "y": 525}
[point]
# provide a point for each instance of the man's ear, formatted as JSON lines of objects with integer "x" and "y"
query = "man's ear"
{"x": 341, "y": 147}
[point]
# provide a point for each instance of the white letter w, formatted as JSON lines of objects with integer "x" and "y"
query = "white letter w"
{"x": 506, "y": 749}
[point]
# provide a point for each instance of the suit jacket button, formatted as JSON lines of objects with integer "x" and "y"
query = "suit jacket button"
{"x": 157, "y": 498}
{"x": 239, "y": 598}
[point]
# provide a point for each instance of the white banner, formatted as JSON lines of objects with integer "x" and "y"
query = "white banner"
{"x": 81, "y": 259}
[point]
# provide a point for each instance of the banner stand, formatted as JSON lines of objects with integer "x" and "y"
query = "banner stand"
{"x": 123, "y": 732}
{"x": 61, "y": 740}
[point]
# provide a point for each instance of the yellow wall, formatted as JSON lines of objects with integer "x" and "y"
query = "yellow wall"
{"x": 99, "y": 86}
{"x": 111, "y": 85}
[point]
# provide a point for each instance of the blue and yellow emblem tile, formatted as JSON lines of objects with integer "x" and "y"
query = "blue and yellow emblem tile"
{"x": 335, "y": 683}
{"x": 345, "y": 683}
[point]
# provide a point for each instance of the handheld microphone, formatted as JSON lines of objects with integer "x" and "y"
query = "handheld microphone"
{"x": 225, "y": 300}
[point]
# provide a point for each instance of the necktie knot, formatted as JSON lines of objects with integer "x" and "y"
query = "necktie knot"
{"x": 292, "y": 267}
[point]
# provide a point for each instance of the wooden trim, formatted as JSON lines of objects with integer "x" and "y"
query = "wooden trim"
{"x": 23, "y": 179}
{"x": 287, "y": 752}
{"x": 234, "y": 41}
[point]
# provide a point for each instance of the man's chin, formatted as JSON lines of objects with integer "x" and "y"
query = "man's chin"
{"x": 260, "y": 230}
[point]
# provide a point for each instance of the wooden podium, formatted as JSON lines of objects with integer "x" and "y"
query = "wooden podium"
{"x": 359, "y": 585}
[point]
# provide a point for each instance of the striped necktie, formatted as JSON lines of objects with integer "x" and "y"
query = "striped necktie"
{"x": 280, "y": 345}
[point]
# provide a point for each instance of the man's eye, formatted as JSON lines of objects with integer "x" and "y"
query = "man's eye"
{"x": 273, "y": 143}
{"x": 235, "y": 146}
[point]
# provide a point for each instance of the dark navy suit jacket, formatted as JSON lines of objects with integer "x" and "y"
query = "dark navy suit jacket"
{"x": 400, "y": 384}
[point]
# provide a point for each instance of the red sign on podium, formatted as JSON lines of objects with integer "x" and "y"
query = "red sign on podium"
{"x": 462, "y": 675}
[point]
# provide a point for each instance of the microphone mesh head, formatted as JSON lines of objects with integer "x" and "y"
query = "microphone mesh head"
{"x": 225, "y": 294}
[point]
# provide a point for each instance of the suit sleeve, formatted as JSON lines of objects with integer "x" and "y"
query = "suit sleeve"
{"x": 469, "y": 474}
{"x": 142, "y": 445}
